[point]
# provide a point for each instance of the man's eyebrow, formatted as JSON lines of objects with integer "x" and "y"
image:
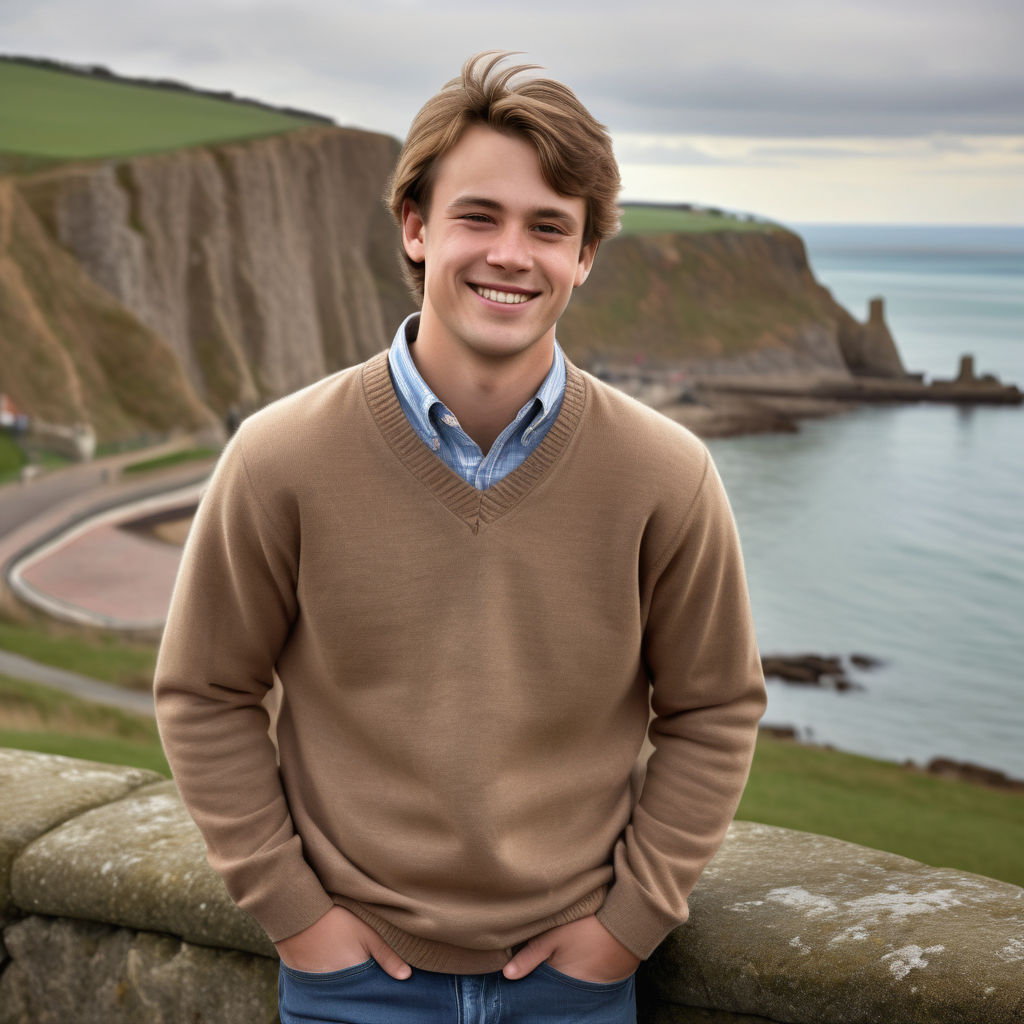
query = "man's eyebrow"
{"x": 541, "y": 213}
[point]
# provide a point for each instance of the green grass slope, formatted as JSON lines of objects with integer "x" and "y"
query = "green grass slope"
{"x": 36, "y": 718}
{"x": 48, "y": 115}
{"x": 942, "y": 822}
{"x": 657, "y": 219}
{"x": 103, "y": 656}
{"x": 11, "y": 458}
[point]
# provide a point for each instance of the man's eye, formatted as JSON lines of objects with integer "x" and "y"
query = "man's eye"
{"x": 550, "y": 229}
{"x": 476, "y": 218}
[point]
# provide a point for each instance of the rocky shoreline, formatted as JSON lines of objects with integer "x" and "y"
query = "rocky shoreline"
{"x": 727, "y": 402}
{"x": 830, "y": 672}
{"x": 942, "y": 767}
{"x": 721, "y": 414}
{"x": 759, "y": 404}
{"x": 826, "y": 671}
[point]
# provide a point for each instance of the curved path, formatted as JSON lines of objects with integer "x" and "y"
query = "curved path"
{"x": 61, "y": 549}
{"x": 100, "y": 573}
{"x": 14, "y": 665}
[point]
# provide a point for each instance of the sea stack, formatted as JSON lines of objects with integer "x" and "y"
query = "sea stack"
{"x": 881, "y": 357}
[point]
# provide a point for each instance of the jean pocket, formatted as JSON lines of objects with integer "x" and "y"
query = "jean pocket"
{"x": 324, "y": 977}
{"x": 579, "y": 983}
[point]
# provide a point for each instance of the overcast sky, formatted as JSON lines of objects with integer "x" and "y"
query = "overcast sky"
{"x": 874, "y": 111}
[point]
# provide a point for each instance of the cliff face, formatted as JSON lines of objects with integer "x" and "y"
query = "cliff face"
{"x": 243, "y": 271}
{"x": 163, "y": 290}
{"x": 69, "y": 351}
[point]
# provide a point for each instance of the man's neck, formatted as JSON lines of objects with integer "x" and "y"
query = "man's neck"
{"x": 484, "y": 394}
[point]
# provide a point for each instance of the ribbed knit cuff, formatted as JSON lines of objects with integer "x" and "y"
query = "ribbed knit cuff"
{"x": 632, "y": 916}
{"x": 298, "y": 903}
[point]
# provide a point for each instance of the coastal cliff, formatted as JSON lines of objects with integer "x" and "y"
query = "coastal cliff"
{"x": 244, "y": 271}
{"x": 162, "y": 291}
{"x": 720, "y": 301}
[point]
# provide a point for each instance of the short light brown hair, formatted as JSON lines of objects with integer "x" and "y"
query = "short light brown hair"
{"x": 575, "y": 151}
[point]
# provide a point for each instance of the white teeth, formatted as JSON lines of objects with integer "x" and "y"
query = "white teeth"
{"x": 510, "y": 298}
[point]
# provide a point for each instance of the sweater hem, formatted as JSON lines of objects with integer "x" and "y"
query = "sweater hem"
{"x": 447, "y": 958}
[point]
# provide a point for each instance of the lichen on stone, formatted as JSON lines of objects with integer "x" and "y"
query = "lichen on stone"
{"x": 902, "y": 961}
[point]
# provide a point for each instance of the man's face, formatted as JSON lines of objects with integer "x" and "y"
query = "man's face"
{"x": 502, "y": 250}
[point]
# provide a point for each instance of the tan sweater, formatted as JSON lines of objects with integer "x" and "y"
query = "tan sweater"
{"x": 467, "y": 675}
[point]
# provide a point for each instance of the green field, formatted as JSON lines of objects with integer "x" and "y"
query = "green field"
{"x": 99, "y": 656}
{"x": 52, "y": 115}
{"x": 11, "y": 458}
{"x": 37, "y": 718}
{"x": 654, "y": 220}
{"x": 172, "y": 459}
{"x": 942, "y": 822}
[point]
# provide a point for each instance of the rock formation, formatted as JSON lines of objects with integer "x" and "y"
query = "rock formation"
{"x": 871, "y": 351}
{"x": 69, "y": 351}
{"x": 249, "y": 269}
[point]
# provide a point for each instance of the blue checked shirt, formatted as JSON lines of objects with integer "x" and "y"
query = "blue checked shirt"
{"x": 440, "y": 431}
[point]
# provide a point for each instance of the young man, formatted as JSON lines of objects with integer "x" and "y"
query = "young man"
{"x": 476, "y": 574}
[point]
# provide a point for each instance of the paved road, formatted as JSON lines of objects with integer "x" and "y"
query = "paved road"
{"x": 41, "y": 507}
{"x": 22, "y": 502}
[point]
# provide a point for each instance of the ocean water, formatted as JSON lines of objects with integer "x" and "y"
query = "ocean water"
{"x": 898, "y": 531}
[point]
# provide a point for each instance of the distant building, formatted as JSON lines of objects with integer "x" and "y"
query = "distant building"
{"x": 11, "y": 417}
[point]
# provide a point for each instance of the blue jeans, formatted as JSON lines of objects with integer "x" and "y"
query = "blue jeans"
{"x": 365, "y": 994}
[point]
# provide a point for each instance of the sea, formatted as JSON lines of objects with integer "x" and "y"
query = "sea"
{"x": 897, "y": 531}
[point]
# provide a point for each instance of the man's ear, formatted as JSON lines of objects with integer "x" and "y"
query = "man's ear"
{"x": 412, "y": 231}
{"x": 587, "y": 254}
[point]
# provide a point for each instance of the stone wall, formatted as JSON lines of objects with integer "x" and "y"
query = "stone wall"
{"x": 110, "y": 914}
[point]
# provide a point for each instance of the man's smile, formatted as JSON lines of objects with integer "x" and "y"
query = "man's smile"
{"x": 497, "y": 295}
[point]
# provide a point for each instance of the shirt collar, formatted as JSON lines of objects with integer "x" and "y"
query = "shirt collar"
{"x": 417, "y": 400}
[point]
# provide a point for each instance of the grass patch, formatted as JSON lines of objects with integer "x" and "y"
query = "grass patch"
{"x": 51, "y": 460}
{"x": 12, "y": 458}
{"x": 37, "y": 718}
{"x": 99, "y": 656}
{"x": 54, "y": 115}
{"x": 172, "y": 459}
{"x": 654, "y": 219}
{"x": 89, "y": 748}
{"x": 121, "y": 445}
{"x": 941, "y": 822}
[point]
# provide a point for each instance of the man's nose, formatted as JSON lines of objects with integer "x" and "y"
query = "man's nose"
{"x": 510, "y": 249}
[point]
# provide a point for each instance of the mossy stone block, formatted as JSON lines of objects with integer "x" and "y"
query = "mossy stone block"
{"x": 141, "y": 863}
{"x": 40, "y": 791}
{"x": 811, "y": 930}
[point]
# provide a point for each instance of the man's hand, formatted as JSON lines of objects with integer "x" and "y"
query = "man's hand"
{"x": 583, "y": 949}
{"x": 339, "y": 940}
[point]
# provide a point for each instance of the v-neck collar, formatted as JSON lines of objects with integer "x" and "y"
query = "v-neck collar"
{"x": 475, "y": 507}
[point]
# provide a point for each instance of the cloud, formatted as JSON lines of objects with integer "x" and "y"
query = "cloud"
{"x": 792, "y": 68}
{"x": 799, "y": 109}
{"x": 664, "y": 149}
{"x": 781, "y": 154}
